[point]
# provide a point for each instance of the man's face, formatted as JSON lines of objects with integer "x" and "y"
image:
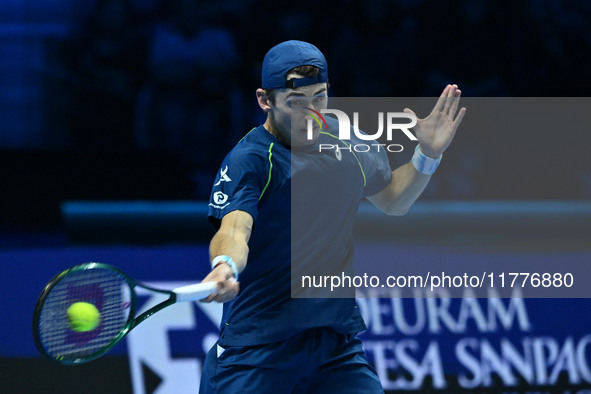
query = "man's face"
{"x": 291, "y": 113}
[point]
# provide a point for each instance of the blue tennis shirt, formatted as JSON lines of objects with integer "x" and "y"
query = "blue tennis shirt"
{"x": 303, "y": 203}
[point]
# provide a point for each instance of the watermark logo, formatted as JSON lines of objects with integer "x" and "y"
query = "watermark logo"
{"x": 319, "y": 119}
{"x": 388, "y": 123}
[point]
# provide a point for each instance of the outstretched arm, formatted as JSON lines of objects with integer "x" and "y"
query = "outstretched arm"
{"x": 230, "y": 240}
{"x": 434, "y": 133}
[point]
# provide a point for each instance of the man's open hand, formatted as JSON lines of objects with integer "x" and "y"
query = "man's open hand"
{"x": 437, "y": 130}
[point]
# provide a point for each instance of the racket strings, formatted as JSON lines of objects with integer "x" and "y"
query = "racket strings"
{"x": 107, "y": 290}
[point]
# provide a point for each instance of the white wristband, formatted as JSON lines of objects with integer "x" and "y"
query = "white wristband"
{"x": 424, "y": 164}
{"x": 228, "y": 260}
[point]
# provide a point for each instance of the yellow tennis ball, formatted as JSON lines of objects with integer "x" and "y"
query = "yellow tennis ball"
{"x": 83, "y": 317}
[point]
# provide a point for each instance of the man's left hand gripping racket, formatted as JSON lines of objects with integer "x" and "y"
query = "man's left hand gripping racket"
{"x": 113, "y": 294}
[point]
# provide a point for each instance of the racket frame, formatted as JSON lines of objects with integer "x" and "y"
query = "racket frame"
{"x": 132, "y": 320}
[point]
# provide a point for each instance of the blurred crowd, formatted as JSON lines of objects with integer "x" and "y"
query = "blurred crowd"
{"x": 179, "y": 76}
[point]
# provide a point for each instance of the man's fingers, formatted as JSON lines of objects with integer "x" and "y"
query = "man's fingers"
{"x": 451, "y": 92}
{"x": 459, "y": 118}
{"x": 410, "y": 111}
{"x": 442, "y": 99}
{"x": 455, "y": 102}
{"x": 211, "y": 297}
{"x": 228, "y": 291}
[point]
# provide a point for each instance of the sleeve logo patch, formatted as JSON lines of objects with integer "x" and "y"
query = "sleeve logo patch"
{"x": 220, "y": 198}
{"x": 223, "y": 176}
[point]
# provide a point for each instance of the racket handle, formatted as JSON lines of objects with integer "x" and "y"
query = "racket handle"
{"x": 194, "y": 292}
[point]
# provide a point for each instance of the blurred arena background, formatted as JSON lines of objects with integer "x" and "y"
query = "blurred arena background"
{"x": 115, "y": 115}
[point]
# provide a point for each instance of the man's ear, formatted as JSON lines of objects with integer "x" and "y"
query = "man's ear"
{"x": 263, "y": 100}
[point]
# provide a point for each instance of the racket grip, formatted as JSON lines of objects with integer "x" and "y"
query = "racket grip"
{"x": 194, "y": 292}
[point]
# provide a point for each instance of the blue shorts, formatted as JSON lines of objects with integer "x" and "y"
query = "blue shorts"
{"x": 318, "y": 360}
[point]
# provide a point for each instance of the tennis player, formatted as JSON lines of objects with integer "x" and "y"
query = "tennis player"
{"x": 271, "y": 342}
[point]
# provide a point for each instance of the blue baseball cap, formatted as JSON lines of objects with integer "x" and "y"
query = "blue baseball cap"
{"x": 288, "y": 55}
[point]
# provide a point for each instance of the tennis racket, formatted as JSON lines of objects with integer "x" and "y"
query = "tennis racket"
{"x": 112, "y": 292}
